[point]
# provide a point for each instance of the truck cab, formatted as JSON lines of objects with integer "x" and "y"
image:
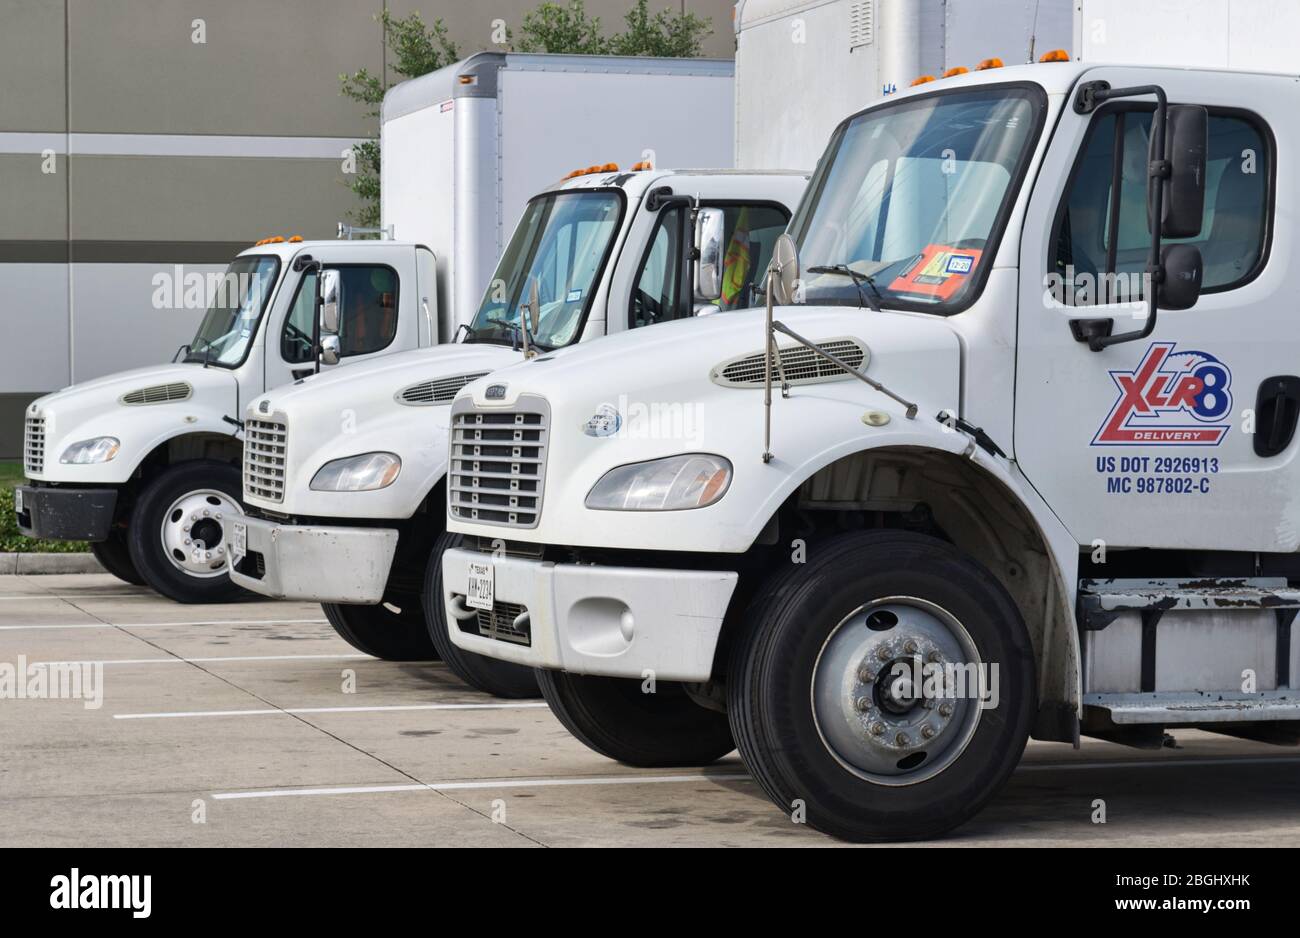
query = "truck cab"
{"x": 345, "y": 476}
{"x": 145, "y": 464}
{"x": 1010, "y": 452}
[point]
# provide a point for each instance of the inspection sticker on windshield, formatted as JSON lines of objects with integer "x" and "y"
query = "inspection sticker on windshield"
{"x": 938, "y": 272}
{"x": 482, "y": 588}
{"x": 574, "y": 296}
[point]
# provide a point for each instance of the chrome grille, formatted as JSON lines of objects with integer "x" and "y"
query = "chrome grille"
{"x": 435, "y": 392}
{"x": 498, "y": 464}
{"x": 159, "y": 394}
{"x": 500, "y": 623}
{"x": 265, "y": 455}
{"x": 34, "y": 445}
{"x": 800, "y": 363}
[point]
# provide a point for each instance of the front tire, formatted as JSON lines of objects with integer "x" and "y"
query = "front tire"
{"x": 381, "y": 633}
{"x": 177, "y": 533}
{"x": 498, "y": 678}
{"x": 618, "y": 719}
{"x": 114, "y": 555}
{"x": 822, "y": 717}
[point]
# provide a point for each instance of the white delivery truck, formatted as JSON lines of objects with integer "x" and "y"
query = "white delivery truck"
{"x": 345, "y": 476}
{"x": 144, "y": 464}
{"x": 801, "y": 65}
{"x": 1028, "y": 468}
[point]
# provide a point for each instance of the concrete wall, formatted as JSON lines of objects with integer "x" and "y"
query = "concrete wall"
{"x": 127, "y": 147}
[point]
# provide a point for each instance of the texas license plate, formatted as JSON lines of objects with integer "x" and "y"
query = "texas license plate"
{"x": 238, "y": 541}
{"x": 18, "y": 501}
{"x": 482, "y": 586}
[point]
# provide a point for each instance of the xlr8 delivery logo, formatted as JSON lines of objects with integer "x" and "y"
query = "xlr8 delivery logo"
{"x": 1170, "y": 399}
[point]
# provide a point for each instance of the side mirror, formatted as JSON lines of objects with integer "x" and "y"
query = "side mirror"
{"x": 710, "y": 226}
{"x": 1186, "y": 144}
{"x": 1181, "y": 286}
{"x": 329, "y": 349}
{"x": 329, "y": 302}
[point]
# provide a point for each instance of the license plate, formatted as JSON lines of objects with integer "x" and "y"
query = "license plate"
{"x": 18, "y": 501}
{"x": 482, "y": 586}
{"x": 238, "y": 541}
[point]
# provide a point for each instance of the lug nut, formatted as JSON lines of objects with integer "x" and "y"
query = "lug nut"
{"x": 188, "y": 542}
{"x": 882, "y": 653}
{"x": 945, "y": 710}
{"x": 927, "y": 703}
{"x": 910, "y": 646}
{"x": 206, "y": 512}
{"x": 218, "y": 516}
{"x": 221, "y": 550}
{"x": 927, "y": 731}
{"x": 864, "y": 703}
{"x": 902, "y": 739}
{"x": 207, "y": 555}
{"x": 935, "y": 657}
{"x": 877, "y": 729}
{"x": 866, "y": 675}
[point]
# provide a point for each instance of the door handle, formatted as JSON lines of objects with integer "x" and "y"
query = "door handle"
{"x": 1277, "y": 407}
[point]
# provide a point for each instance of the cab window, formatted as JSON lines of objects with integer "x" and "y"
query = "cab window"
{"x": 663, "y": 288}
{"x": 1103, "y": 239}
{"x": 367, "y": 313}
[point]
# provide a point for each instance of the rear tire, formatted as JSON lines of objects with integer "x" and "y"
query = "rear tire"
{"x": 498, "y": 678}
{"x": 381, "y": 633}
{"x": 170, "y": 558}
{"x": 819, "y": 718}
{"x": 613, "y": 716}
{"x": 114, "y": 555}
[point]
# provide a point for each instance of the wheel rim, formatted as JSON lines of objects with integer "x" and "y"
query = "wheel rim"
{"x": 194, "y": 532}
{"x": 868, "y": 712}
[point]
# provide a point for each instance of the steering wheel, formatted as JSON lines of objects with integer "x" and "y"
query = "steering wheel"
{"x": 300, "y": 338}
{"x": 652, "y": 310}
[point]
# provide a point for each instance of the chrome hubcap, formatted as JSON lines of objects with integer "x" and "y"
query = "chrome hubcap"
{"x": 895, "y": 691}
{"x": 194, "y": 532}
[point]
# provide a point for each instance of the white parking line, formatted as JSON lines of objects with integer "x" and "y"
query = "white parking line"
{"x": 152, "y": 625}
{"x": 666, "y": 779}
{"x": 500, "y": 783}
{"x": 297, "y": 710}
{"x": 51, "y": 664}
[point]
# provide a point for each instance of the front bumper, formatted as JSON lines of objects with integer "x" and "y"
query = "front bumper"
{"x": 59, "y": 514}
{"x": 320, "y": 564}
{"x": 612, "y": 621}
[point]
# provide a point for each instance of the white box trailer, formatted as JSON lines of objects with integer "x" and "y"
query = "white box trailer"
{"x": 465, "y": 147}
{"x": 806, "y": 66}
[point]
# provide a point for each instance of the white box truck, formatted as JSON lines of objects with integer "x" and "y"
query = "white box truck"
{"x": 144, "y": 464}
{"x": 801, "y": 66}
{"x": 345, "y": 476}
{"x": 1014, "y": 454}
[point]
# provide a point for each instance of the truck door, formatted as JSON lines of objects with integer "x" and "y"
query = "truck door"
{"x": 661, "y": 288}
{"x": 1149, "y": 443}
{"x": 370, "y": 324}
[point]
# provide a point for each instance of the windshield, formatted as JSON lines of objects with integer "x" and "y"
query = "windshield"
{"x": 908, "y": 204}
{"x": 237, "y": 303}
{"x": 562, "y": 241}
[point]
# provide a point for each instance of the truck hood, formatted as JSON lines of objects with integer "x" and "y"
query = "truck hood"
{"x": 695, "y": 386}
{"x": 395, "y": 404}
{"x": 142, "y": 408}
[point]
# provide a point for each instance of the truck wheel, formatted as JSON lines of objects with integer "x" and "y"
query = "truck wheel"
{"x": 822, "y": 717}
{"x": 178, "y": 529}
{"x": 115, "y": 556}
{"x": 382, "y": 633}
{"x": 615, "y": 717}
{"x": 498, "y": 678}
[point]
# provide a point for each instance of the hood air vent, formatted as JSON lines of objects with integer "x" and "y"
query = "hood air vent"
{"x": 801, "y": 365}
{"x": 440, "y": 391}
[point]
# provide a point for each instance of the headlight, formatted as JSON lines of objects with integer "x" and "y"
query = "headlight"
{"x": 84, "y": 452}
{"x": 670, "y": 484}
{"x": 363, "y": 473}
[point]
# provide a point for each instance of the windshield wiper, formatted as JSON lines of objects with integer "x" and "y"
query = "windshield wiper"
{"x": 858, "y": 278}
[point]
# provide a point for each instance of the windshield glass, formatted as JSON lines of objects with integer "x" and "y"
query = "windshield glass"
{"x": 909, "y": 201}
{"x": 562, "y": 241}
{"x": 237, "y": 303}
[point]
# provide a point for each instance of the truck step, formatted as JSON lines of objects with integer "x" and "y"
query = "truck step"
{"x": 1101, "y": 600}
{"x": 1191, "y": 707}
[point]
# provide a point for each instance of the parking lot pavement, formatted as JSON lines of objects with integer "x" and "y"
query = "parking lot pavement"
{"x": 252, "y": 723}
